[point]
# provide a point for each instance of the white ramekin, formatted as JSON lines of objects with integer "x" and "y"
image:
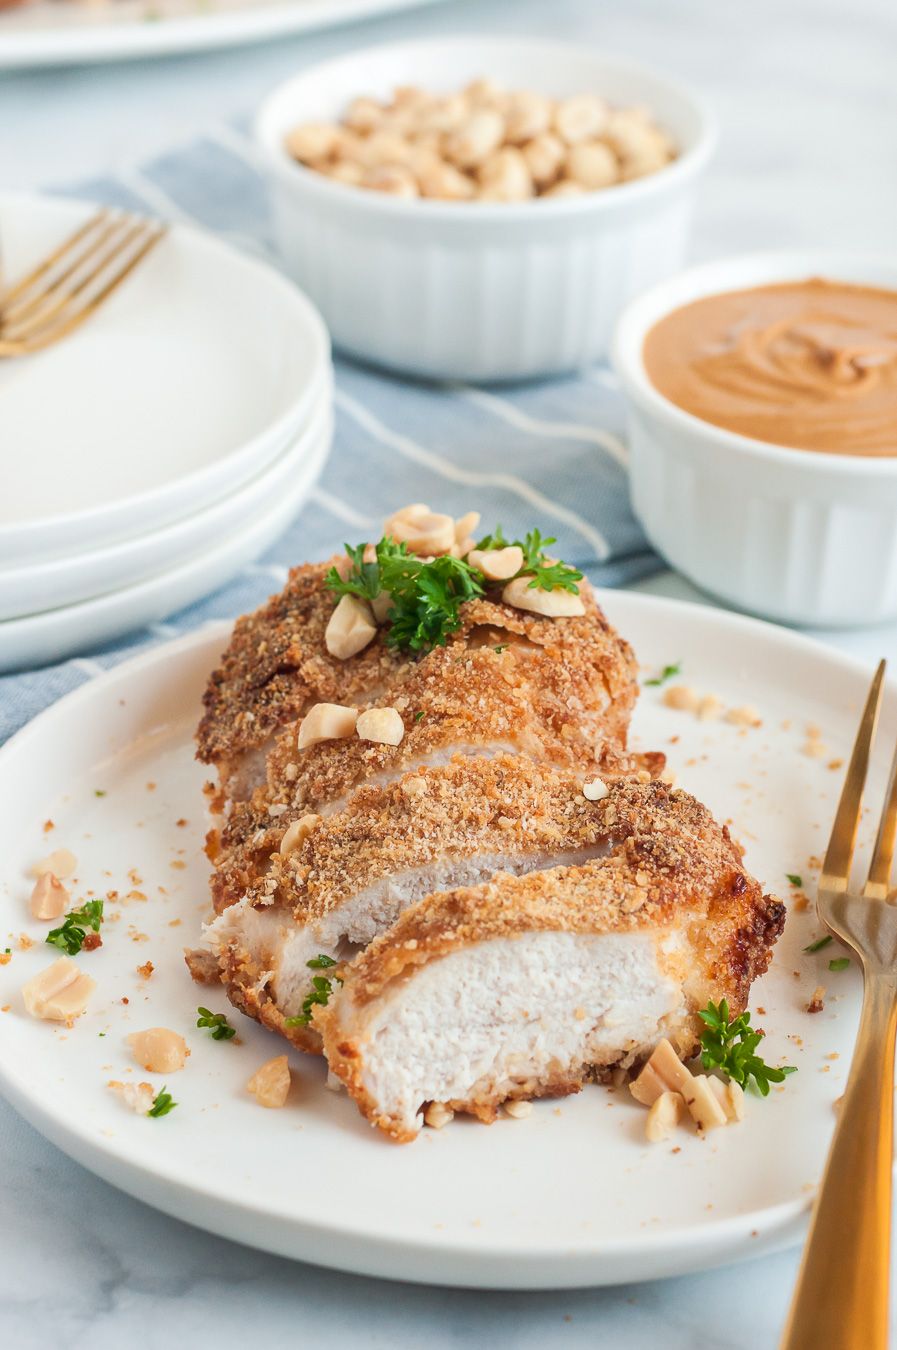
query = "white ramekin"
{"x": 479, "y": 291}
{"x": 794, "y": 535}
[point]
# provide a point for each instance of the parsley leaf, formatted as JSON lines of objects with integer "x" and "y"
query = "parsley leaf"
{"x": 426, "y": 596}
{"x": 839, "y": 963}
{"x": 731, "y": 1047}
{"x": 163, "y": 1102}
{"x": 363, "y": 579}
{"x": 217, "y": 1024}
{"x": 667, "y": 673}
{"x": 794, "y": 879}
{"x": 319, "y": 994}
{"x": 69, "y": 937}
{"x": 818, "y": 945}
{"x": 545, "y": 574}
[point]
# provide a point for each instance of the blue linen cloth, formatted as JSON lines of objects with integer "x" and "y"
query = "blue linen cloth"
{"x": 548, "y": 453}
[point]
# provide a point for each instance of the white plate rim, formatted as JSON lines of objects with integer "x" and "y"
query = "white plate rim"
{"x": 167, "y": 590}
{"x": 228, "y": 472}
{"x": 113, "y": 42}
{"x": 179, "y": 538}
{"x": 324, "y": 1241}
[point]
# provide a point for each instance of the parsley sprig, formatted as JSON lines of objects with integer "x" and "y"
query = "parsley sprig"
{"x": 545, "y": 573}
{"x": 163, "y": 1102}
{"x": 69, "y": 937}
{"x": 426, "y": 596}
{"x": 319, "y": 994}
{"x": 731, "y": 1047}
{"x": 217, "y": 1024}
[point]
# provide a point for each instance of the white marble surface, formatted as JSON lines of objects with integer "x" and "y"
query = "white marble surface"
{"x": 808, "y": 105}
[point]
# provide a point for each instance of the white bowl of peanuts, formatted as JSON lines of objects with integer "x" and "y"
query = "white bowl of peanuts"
{"x": 523, "y": 192}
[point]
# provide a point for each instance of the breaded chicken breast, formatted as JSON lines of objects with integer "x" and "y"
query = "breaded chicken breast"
{"x": 528, "y": 986}
{"x": 355, "y": 872}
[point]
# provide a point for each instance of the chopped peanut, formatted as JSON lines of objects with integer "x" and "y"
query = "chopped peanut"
{"x": 817, "y": 1000}
{"x": 297, "y": 832}
{"x": 730, "y": 1096}
{"x": 665, "y": 1072}
{"x": 426, "y": 533}
{"x": 580, "y": 118}
{"x": 556, "y": 604}
{"x": 59, "y": 992}
{"x": 381, "y": 605}
{"x": 270, "y": 1085}
{"x": 595, "y": 790}
{"x": 382, "y": 725}
{"x": 497, "y": 564}
{"x": 159, "y": 1050}
{"x": 663, "y": 1116}
{"x": 350, "y": 629}
{"x": 681, "y": 697}
{"x": 312, "y": 142}
{"x": 326, "y": 722}
{"x": 61, "y": 863}
{"x": 49, "y": 897}
{"x": 465, "y": 526}
{"x": 744, "y": 717}
{"x": 518, "y": 1110}
{"x": 138, "y": 1096}
{"x": 437, "y": 1115}
{"x": 593, "y": 165}
{"x": 476, "y": 139}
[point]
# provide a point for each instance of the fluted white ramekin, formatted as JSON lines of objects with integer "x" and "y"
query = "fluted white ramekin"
{"x": 794, "y": 535}
{"x": 479, "y": 291}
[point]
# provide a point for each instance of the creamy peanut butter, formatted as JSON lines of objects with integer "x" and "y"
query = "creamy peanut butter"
{"x": 805, "y": 364}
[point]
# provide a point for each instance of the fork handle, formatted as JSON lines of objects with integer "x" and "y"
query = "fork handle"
{"x": 841, "y": 1299}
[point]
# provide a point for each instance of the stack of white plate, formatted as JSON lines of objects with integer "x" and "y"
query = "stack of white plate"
{"x": 149, "y": 457}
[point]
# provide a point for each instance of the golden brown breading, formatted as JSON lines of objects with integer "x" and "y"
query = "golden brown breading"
{"x": 672, "y": 866}
{"x": 277, "y": 665}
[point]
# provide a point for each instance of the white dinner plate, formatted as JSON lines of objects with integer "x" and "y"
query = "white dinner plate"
{"x": 61, "y": 32}
{"x": 573, "y": 1195}
{"x": 58, "y": 633}
{"x": 186, "y": 383}
{"x": 59, "y": 582}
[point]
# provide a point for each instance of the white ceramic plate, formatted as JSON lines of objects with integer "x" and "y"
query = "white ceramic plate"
{"x": 59, "y": 582}
{"x": 572, "y": 1195}
{"x": 185, "y": 384}
{"x": 58, "y": 32}
{"x": 58, "y": 633}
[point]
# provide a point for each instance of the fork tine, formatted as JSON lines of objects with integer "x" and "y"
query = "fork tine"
{"x": 878, "y": 885}
{"x": 52, "y": 259}
{"x": 54, "y": 331}
{"x": 14, "y": 314}
{"x": 35, "y": 327}
{"x": 836, "y": 868}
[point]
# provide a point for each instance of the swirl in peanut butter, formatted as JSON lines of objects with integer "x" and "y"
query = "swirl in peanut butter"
{"x": 805, "y": 364}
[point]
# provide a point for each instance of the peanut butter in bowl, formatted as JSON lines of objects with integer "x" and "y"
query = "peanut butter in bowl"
{"x": 808, "y": 364}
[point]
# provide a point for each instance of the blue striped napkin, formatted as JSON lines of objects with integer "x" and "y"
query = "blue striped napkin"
{"x": 547, "y": 454}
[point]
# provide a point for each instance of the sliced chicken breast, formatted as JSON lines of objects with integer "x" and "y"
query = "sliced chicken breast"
{"x": 355, "y": 872}
{"x": 528, "y": 986}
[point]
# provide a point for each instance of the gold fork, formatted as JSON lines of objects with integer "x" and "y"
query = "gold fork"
{"x": 841, "y": 1299}
{"x": 71, "y": 283}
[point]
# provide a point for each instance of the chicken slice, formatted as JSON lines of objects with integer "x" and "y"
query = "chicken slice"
{"x": 275, "y": 665}
{"x": 580, "y": 673}
{"x": 356, "y": 871}
{"x": 548, "y": 690}
{"x": 529, "y": 986}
